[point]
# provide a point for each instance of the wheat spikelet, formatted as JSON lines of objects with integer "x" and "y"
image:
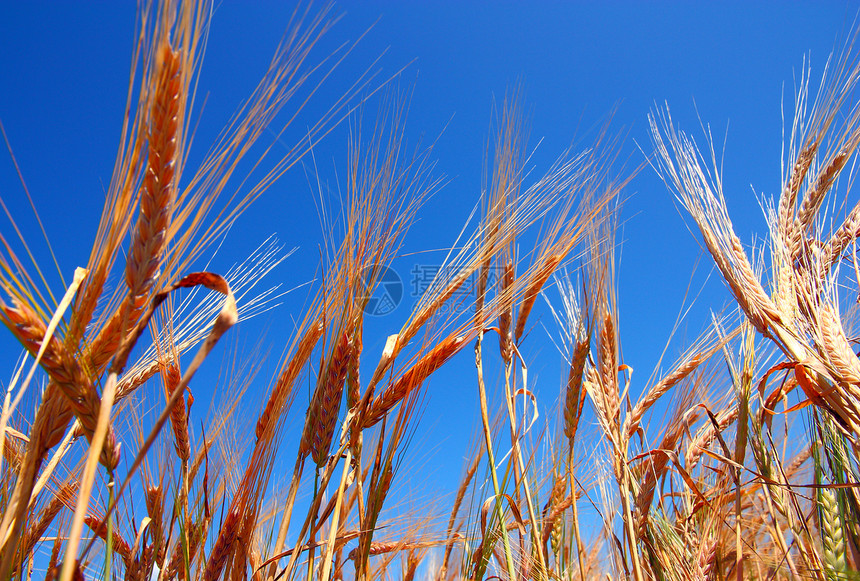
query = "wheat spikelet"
{"x": 60, "y": 501}
{"x": 839, "y": 241}
{"x": 158, "y": 193}
{"x": 608, "y": 354}
{"x": 836, "y": 347}
{"x": 353, "y": 383}
{"x": 832, "y": 533}
{"x": 788, "y": 199}
{"x": 702, "y": 196}
{"x": 65, "y": 370}
{"x": 176, "y": 566}
{"x": 324, "y": 412}
{"x": 383, "y": 547}
{"x": 178, "y": 415}
{"x": 657, "y": 464}
{"x": 431, "y": 307}
{"x": 591, "y": 383}
{"x": 558, "y": 508}
{"x": 283, "y": 387}
{"x": 506, "y": 344}
{"x": 750, "y": 286}
{"x": 421, "y": 370}
{"x": 154, "y": 499}
{"x": 121, "y": 547}
{"x": 52, "y": 419}
{"x": 532, "y": 288}
{"x": 574, "y": 399}
{"x": 707, "y": 557}
{"x": 223, "y": 546}
{"x": 677, "y": 375}
{"x": 706, "y": 436}
{"x": 815, "y": 195}
{"x": 13, "y": 453}
{"x": 156, "y": 201}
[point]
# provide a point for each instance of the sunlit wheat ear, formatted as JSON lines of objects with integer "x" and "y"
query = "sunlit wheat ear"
{"x": 535, "y": 283}
{"x": 154, "y": 502}
{"x": 223, "y": 546}
{"x": 325, "y": 407}
{"x": 695, "y": 356}
{"x": 658, "y": 462}
{"x": 158, "y": 191}
{"x": 560, "y": 183}
{"x": 841, "y": 239}
{"x": 61, "y": 500}
{"x": 193, "y": 317}
{"x": 506, "y": 340}
{"x": 282, "y": 392}
{"x": 157, "y": 199}
{"x": 399, "y": 389}
{"x": 353, "y": 370}
{"x": 179, "y": 414}
{"x": 65, "y": 370}
{"x": 681, "y": 167}
{"x": 574, "y": 398}
{"x": 824, "y": 138}
{"x": 706, "y": 435}
{"x": 176, "y": 566}
{"x": 120, "y": 545}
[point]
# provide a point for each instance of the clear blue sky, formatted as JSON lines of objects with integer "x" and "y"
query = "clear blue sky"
{"x": 64, "y": 68}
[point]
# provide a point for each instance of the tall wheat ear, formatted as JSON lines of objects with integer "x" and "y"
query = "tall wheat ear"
{"x": 802, "y": 317}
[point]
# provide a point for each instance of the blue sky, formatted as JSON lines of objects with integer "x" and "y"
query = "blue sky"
{"x": 64, "y": 68}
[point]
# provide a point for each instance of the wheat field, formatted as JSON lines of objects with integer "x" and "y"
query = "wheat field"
{"x": 736, "y": 459}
